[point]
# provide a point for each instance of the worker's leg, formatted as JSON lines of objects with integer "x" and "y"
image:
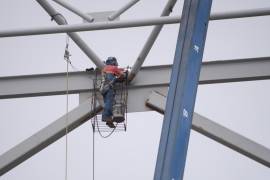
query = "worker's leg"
{"x": 108, "y": 103}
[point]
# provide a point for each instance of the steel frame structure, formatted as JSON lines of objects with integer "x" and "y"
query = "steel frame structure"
{"x": 141, "y": 82}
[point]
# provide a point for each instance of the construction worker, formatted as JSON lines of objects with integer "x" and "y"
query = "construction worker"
{"x": 110, "y": 73}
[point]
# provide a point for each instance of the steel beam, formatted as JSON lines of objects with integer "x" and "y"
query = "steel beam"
{"x": 219, "y": 133}
{"x": 46, "y": 136}
{"x": 66, "y": 5}
{"x": 215, "y": 16}
{"x": 153, "y": 76}
{"x": 240, "y": 14}
{"x": 150, "y": 41}
{"x": 122, "y": 10}
{"x": 136, "y": 103}
{"x": 125, "y": 23}
{"x": 74, "y": 36}
{"x": 44, "y": 84}
{"x": 89, "y": 27}
{"x": 136, "y": 98}
{"x": 184, "y": 80}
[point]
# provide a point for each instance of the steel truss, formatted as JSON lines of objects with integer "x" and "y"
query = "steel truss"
{"x": 142, "y": 84}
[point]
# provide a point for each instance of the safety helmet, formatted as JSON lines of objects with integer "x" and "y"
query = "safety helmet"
{"x": 111, "y": 61}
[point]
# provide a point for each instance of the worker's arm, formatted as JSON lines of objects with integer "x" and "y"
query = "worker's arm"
{"x": 121, "y": 74}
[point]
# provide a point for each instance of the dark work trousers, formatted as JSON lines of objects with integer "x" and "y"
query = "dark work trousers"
{"x": 108, "y": 98}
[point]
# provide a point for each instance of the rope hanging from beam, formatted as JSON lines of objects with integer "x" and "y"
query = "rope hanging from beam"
{"x": 66, "y": 57}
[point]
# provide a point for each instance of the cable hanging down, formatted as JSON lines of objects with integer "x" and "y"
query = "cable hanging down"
{"x": 66, "y": 57}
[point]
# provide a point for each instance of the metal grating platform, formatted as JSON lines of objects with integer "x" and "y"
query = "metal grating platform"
{"x": 121, "y": 96}
{"x": 100, "y": 126}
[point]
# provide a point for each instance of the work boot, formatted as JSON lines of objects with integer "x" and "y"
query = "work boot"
{"x": 109, "y": 123}
{"x": 118, "y": 119}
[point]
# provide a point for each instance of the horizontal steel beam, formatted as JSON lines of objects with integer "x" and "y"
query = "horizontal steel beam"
{"x": 127, "y": 23}
{"x": 136, "y": 98}
{"x": 89, "y": 27}
{"x": 218, "y": 133}
{"x": 46, "y": 136}
{"x": 152, "y": 76}
{"x": 44, "y": 84}
{"x": 240, "y": 14}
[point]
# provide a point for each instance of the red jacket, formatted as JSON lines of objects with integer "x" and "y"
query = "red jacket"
{"x": 113, "y": 70}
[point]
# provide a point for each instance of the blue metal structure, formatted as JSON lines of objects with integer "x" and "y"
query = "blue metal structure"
{"x": 182, "y": 90}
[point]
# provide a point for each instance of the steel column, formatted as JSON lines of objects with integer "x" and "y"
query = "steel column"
{"x": 182, "y": 90}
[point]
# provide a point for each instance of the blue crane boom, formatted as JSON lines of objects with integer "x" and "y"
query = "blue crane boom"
{"x": 182, "y": 90}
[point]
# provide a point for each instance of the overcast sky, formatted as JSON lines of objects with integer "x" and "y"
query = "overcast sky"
{"x": 242, "y": 107}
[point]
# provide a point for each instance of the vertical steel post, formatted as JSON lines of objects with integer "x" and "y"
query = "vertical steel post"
{"x": 182, "y": 90}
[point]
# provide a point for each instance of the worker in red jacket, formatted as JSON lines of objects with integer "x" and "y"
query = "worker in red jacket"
{"x": 111, "y": 73}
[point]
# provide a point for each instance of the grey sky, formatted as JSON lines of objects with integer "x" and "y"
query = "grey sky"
{"x": 242, "y": 107}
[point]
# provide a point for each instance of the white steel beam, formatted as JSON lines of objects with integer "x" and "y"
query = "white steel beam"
{"x": 74, "y": 36}
{"x": 122, "y": 10}
{"x": 136, "y": 103}
{"x": 46, "y": 136}
{"x": 66, "y": 5}
{"x": 44, "y": 84}
{"x": 150, "y": 41}
{"x": 240, "y": 14}
{"x": 218, "y": 133}
{"x": 136, "y": 98}
{"x": 89, "y": 27}
{"x": 125, "y": 23}
{"x": 152, "y": 76}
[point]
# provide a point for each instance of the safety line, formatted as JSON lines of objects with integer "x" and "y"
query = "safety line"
{"x": 67, "y": 109}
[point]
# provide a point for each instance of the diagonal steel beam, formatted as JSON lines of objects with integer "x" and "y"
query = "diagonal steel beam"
{"x": 150, "y": 41}
{"x": 219, "y": 133}
{"x": 152, "y": 76}
{"x": 122, "y": 10}
{"x": 66, "y": 5}
{"x": 136, "y": 103}
{"x": 214, "y": 16}
{"x": 74, "y": 36}
{"x": 46, "y": 136}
